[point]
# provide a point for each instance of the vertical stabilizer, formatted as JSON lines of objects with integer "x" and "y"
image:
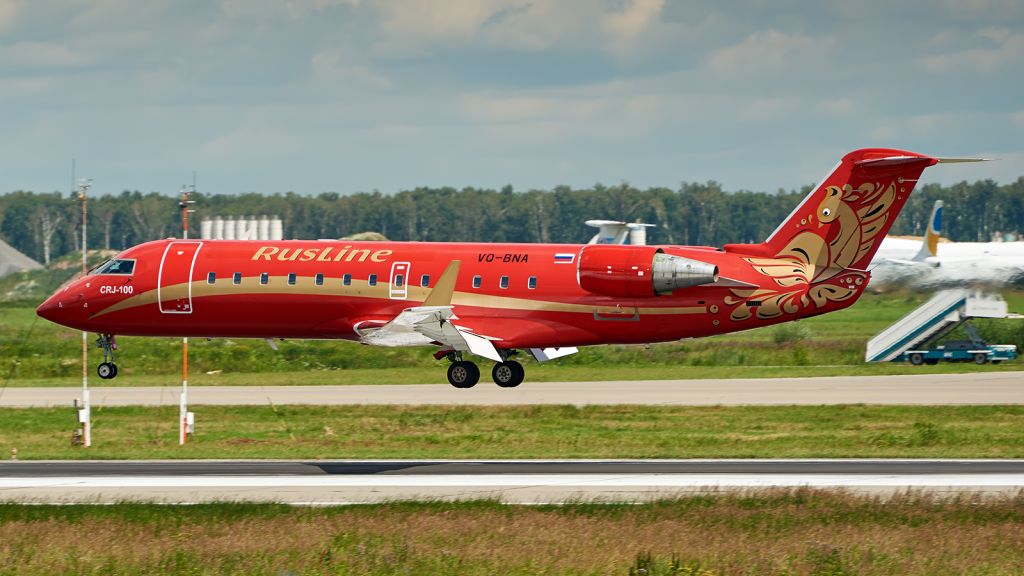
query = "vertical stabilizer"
{"x": 842, "y": 222}
{"x": 930, "y": 242}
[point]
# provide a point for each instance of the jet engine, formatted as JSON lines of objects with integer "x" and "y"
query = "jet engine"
{"x": 639, "y": 271}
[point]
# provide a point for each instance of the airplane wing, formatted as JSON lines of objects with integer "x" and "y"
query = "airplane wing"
{"x": 430, "y": 323}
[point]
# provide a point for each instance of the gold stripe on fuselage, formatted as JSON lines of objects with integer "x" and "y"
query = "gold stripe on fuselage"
{"x": 305, "y": 286}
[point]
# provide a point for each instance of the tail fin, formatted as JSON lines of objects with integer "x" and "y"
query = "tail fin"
{"x": 930, "y": 242}
{"x": 840, "y": 224}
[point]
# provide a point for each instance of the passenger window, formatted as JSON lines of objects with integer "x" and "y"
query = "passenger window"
{"x": 372, "y": 281}
{"x": 291, "y": 279}
{"x": 211, "y": 277}
{"x": 237, "y": 278}
{"x": 425, "y": 280}
{"x": 532, "y": 284}
{"x": 400, "y": 280}
{"x": 476, "y": 281}
{"x": 504, "y": 282}
{"x": 319, "y": 280}
{"x": 346, "y": 280}
{"x": 264, "y": 278}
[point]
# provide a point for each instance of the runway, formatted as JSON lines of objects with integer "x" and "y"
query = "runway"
{"x": 935, "y": 389}
{"x": 521, "y": 481}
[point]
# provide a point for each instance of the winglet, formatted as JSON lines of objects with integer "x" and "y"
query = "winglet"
{"x": 441, "y": 295}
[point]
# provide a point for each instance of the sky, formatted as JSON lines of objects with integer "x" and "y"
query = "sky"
{"x": 357, "y": 95}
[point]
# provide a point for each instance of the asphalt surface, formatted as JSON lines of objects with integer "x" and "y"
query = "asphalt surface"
{"x": 528, "y": 482}
{"x": 915, "y": 389}
{"x": 188, "y": 468}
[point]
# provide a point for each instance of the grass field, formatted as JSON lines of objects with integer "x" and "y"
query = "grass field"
{"x": 803, "y": 532}
{"x": 38, "y": 353}
{"x": 414, "y": 432}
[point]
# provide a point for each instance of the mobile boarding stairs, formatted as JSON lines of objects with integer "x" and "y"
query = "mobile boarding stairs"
{"x": 934, "y": 319}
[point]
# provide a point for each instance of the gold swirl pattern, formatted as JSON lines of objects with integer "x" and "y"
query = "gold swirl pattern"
{"x": 813, "y": 268}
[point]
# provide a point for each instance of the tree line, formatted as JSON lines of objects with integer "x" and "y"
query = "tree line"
{"x": 46, "y": 226}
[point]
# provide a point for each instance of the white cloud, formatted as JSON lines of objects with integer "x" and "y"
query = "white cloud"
{"x": 267, "y": 9}
{"x": 769, "y": 52}
{"x": 836, "y": 106}
{"x": 1003, "y": 49}
{"x": 41, "y": 55}
{"x": 333, "y": 68}
{"x": 633, "y": 19}
{"x": 8, "y": 14}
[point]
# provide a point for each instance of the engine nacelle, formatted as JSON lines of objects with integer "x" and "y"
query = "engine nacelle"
{"x": 639, "y": 271}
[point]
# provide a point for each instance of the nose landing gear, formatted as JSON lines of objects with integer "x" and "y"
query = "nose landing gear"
{"x": 107, "y": 369}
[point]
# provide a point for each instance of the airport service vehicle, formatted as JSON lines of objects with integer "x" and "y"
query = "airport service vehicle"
{"x": 495, "y": 301}
{"x": 972, "y": 350}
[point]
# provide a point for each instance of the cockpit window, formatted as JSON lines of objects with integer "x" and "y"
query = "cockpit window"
{"x": 116, "y": 266}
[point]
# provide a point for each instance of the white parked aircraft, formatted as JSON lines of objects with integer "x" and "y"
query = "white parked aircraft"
{"x": 928, "y": 263}
{"x": 616, "y": 232}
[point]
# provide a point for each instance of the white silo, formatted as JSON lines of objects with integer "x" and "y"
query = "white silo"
{"x": 250, "y": 229}
{"x": 276, "y": 229}
{"x": 218, "y": 228}
{"x": 229, "y": 228}
{"x": 263, "y": 228}
{"x": 206, "y": 228}
{"x": 240, "y": 228}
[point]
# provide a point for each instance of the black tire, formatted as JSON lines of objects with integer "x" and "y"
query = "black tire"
{"x": 917, "y": 358}
{"x": 107, "y": 370}
{"x": 980, "y": 358}
{"x": 463, "y": 374}
{"x": 508, "y": 374}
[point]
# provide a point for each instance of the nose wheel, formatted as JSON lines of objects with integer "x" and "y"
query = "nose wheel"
{"x": 107, "y": 369}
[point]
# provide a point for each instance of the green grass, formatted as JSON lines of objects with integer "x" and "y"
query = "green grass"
{"x": 342, "y": 432}
{"x": 779, "y": 532}
{"x": 45, "y": 354}
{"x": 38, "y": 353}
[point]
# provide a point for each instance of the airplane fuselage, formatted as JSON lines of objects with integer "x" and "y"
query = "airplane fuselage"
{"x": 528, "y": 293}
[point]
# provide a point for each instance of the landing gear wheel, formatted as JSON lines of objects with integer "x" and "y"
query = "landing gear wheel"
{"x": 980, "y": 358}
{"x": 463, "y": 374}
{"x": 917, "y": 359}
{"x": 508, "y": 374}
{"x": 107, "y": 370}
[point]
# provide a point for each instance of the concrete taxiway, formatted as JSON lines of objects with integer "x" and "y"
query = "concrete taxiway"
{"x": 529, "y": 481}
{"x": 947, "y": 389}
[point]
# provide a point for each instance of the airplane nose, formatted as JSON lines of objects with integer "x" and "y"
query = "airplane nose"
{"x": 49, "y": 309}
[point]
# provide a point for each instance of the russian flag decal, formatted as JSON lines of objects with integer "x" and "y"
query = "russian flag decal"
{"x": 564, "y": 258}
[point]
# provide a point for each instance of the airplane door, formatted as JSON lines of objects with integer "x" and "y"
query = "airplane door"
{"x": 399, "y": 287}
{"x": 174, "y": 282}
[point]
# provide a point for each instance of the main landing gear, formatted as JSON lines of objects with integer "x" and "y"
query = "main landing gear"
{"x": 465, "y": 374}
{"x": 107, "y": 369}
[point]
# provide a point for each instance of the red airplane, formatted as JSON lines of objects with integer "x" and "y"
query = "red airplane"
{"x": 495, "y": 300}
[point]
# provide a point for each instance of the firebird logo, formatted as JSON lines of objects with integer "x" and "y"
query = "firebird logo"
{"x": 813, "y": 267}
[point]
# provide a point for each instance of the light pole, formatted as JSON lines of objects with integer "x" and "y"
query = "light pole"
{"x": 84, "y": 414}
{"x": 186, "y": 418}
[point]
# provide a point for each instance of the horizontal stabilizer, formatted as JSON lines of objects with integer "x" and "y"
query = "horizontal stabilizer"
{"x": 959, "y": 160}
{"x": 891, "y": 161}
